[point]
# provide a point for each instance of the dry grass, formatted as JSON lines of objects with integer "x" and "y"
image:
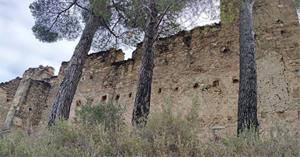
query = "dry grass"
{"x": 165, "y": 135}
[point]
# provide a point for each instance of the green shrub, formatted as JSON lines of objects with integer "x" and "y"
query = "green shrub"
{"x": 109, "y": 115}
{"x": 166, "y": 134}
{"x": 14, "y": 145}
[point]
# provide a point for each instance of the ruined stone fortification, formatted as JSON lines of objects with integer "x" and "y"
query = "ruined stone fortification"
{"x": 197, "y": 67}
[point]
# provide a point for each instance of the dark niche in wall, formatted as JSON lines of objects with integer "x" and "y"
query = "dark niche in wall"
{"x": 187, "y": 40}
{"x": 216, "y": 83}
{"x": 235, "y": 81}
{"x": 196, "y": 85}
{"x": 176, "y": 89}
{"x": 78, "y": 103}
{"x": 159, "y": 90}
{"x": 225, "y": 49}
{"x": 117, "y": 97}
{"x": 104, "y": 98}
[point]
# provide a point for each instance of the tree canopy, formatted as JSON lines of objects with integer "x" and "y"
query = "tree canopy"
{"x": 123, "y": 21}
{"x": 174, "y": 15}
{"x": 65, "y": 19}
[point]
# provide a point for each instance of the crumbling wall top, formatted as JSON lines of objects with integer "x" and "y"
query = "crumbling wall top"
{"x": 40, "y": 73}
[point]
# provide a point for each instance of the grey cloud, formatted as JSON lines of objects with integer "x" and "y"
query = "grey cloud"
{"x": 5, "y": 3}
{"x": 19, "y": 49}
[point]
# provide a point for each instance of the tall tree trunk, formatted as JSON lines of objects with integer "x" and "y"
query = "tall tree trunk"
{"x": 62, "y": 103}
{"x": 247, "y": 103}
{"x": 143, "y": 94}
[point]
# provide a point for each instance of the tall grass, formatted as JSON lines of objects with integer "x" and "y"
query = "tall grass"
{"x": 101, "y": 131}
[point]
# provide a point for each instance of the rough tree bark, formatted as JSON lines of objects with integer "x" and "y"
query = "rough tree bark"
{"x": 62, "y": 103}
{"x": 247, "y": 102}
{"x": 143, "y": 94}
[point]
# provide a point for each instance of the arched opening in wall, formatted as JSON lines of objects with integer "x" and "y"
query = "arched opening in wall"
{"x": 103, "y": 99}
{"x": 117, "y": 97}
{"x": 91, "y": 77}
{"x": 130, "y": 95}
{"x": 159, "y": 90}
{"x": 29, "y": 109}
{"x": 196, "y": 85}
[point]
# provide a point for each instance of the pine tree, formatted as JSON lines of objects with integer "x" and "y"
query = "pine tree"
{"x": 68, "y": 19}
{"x": 247, "y": 102}
{"x": 155, "y": 18}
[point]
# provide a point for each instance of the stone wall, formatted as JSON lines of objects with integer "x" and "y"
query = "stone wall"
{"x": 7, "y": 93}
{"x": 29, "y": 114}
{"x": 30, "y": 94}
{"x": 201, "y": 67}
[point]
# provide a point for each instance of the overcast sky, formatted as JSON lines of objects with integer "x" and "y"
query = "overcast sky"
{"x": 19, "y": 49}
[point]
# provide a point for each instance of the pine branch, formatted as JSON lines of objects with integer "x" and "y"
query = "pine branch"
{"x": 61, "y": 12}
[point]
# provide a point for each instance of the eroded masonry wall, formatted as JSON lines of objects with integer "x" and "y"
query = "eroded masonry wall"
{"x": 29, "y": 95}
{"x": 201, "y": 67}
{"x": 7, "y": 93}
{"x": 30, "y": 112}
